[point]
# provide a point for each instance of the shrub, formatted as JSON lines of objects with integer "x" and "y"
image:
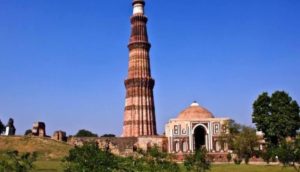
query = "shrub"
{"x": 85, "y": 133}
{"x": 13, "y": 161}
{"x": 198, "y": 161}
{"x": 229, "y": 157}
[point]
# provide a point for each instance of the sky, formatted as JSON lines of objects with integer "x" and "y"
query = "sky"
{"x": 64, "y": 62}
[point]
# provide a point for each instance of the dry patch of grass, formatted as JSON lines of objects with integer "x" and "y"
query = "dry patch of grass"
{"x": 46, "y": 148}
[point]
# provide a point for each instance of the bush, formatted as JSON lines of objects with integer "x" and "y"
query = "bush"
{"x": 268, "y": 155}
{"x": 229, "y": 157}
{"x": 198, "y": 161}
{"x": 237, "y": 161}
{"x": 286, "y": 154}
{"x": 90, "y": 158}
{"x": 13, "y": 161}
{"x": 85, "y": 133}
{"x": 108, "y": 135}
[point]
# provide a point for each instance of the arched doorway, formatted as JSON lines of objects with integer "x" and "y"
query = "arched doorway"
{"x": 199, "y": 137}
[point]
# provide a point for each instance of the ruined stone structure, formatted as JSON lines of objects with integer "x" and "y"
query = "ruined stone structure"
{"x": 139, "y": 115}
{"x": 124, "y": 146}
{"x": 194, "y": 128}
{"x": 116, "y": 145}
{"x": 60, "y": 136}
{"x": 39, "y": 129}
{"x": 10, "y": 129}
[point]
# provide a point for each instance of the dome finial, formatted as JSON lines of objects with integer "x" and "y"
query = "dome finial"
{"x": 195, "y": 103}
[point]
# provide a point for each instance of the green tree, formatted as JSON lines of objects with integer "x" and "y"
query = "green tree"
{"x": 108, "y": 135}
{"x": 245, "y": 143}
{"x": 268, "y": 154}
{"x": 288, "y": 153}
{"x": 241, "y": 139}
{"x": 89, "y": 158}
{"x": 198, "y": 161}
{"x": 233, "y": 129}
{"x": 13, "y": 161}
{"x": 85, "y": 133}
{"x": 276, "y": 116}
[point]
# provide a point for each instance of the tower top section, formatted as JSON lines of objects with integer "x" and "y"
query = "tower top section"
{"x": 138, "y": 6}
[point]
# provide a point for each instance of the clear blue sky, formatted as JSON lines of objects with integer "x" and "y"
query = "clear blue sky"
{"x": 64, "y": 62}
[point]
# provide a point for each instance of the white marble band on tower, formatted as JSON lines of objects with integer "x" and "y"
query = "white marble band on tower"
{"x": 138, "y": 7}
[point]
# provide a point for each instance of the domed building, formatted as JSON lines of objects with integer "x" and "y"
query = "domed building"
{"x": 194, "y": 128}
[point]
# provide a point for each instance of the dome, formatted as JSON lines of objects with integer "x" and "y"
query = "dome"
{"x": 195, "y": 111}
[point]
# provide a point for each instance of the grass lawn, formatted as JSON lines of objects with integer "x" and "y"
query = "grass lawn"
{"x": 48, "y": 166}
{"x": 250, "y": 168}
{"x": 46, "y": 148}
{"x": 57, "y": 166}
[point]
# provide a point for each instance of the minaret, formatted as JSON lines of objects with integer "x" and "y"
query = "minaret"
{"x": 139, "y": 115}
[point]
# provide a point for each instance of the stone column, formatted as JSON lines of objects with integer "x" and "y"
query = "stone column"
{"x": 139, "y": 115}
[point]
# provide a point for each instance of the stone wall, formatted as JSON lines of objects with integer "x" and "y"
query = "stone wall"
{"x": 121, "y": 145}
{"x": 117, "y": 145}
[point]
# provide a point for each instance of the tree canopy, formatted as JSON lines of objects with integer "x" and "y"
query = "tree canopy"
{"x": 277, "y": 116}
{"x": 241, "y": 139}
{"x": 85, "y": 133}
{"x": 108, "y": 135}
{"x": 90, "y": 158}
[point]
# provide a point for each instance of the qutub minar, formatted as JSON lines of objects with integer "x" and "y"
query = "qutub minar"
{"x": 139, "y": 115}
{"x": 193, "y": 128}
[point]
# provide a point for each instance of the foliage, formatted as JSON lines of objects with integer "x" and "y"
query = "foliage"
{"x": 268, "y": 154}
{"x": 276, "y": 116}
{"x": 13, "y": 161}
{"x": 233, "y": 129}
{"x": 229, "y": 157}
{"x": 85, "y": 133}
{"x": 28, "y": 132}
{"x": 242, "y": 140}
{"x": 198, "y": 161}
{"x": 237, "y": 161}
{"x": 2, "y": 127}
{"x": 90, "y": 158}
{"x": 285, "y": 153}
{"x": 154, "y": 160}
{"x": 56, "y": 166}
{"x": 289, "y": 153}
{"x": 245, "y": 143}
{"x": 108, "y": 135}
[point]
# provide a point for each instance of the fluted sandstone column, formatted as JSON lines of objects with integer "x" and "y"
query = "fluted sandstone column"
{"x": 139, "y": 115}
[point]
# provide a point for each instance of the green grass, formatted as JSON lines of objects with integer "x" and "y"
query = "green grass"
{"x": 48, "y": 166}
{"x": 57, "y": 166}
{"x": 250, "y": 168}
{"x": 51, "y": 152}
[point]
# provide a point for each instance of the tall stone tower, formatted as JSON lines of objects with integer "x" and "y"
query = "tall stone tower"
{"x": 139, "y": 115}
